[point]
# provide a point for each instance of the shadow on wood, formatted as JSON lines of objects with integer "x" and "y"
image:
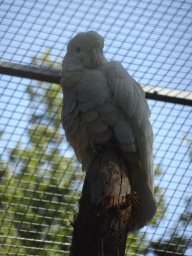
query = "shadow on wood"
{"x": 107, "y": 208}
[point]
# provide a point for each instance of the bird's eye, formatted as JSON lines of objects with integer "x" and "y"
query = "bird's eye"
{"x": 78, "y": 49}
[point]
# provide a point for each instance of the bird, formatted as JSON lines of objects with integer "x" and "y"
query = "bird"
{"x": 104, "y": 106}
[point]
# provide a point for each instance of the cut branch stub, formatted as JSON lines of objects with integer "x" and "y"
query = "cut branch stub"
{"x": 105, "y": 208}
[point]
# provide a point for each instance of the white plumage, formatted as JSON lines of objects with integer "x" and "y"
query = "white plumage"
{"x": 103, "y": 102}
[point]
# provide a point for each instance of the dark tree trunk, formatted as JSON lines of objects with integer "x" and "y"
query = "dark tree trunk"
{"x": 108, "y": 208}
{"x": 100, "y": 228}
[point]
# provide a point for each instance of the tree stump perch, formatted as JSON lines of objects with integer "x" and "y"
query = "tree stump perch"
{"x": 106, "y": 209}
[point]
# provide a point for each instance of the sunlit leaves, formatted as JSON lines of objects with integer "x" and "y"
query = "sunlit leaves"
{"x": 37, "y": 197}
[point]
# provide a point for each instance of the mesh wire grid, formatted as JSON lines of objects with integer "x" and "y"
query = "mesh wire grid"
{"x": 40, "y": 180}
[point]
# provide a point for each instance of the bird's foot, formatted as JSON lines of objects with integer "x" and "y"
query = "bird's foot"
{"x": 97, "y": 149}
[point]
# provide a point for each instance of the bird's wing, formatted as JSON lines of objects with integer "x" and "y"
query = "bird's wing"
{"x": 75, "y": 129}
{"x": 129, "y": 95}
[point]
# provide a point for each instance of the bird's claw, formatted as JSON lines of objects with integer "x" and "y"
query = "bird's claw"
{"x": 98, "y": 149}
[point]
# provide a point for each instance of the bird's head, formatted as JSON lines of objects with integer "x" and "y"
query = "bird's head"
{"x": 84, "y": 50}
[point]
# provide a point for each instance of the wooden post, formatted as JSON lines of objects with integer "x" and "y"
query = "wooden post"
{"x": 105, "y": 208}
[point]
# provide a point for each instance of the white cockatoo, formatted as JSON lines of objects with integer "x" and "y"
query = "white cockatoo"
{"x": 104, "y": 105}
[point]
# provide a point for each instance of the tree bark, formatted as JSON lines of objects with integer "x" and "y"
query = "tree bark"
{"x": 105, "y": 208}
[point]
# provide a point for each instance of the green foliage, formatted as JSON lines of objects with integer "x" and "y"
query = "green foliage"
{"x": 177, "y": 242}
{"x": 160, "y": 200}
{"x": 37, "y": 197}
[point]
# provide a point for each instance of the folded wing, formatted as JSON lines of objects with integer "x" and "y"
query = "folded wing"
{"x": 129, "y": 95}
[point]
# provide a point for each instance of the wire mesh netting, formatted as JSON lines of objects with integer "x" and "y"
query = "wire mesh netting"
{"x": 40, "y": 179}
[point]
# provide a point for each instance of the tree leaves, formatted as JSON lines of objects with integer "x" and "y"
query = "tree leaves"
{"x": 37, "y": 197}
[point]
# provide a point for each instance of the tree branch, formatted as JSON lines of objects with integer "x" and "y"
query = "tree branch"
{"x": 105, "y": 208}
